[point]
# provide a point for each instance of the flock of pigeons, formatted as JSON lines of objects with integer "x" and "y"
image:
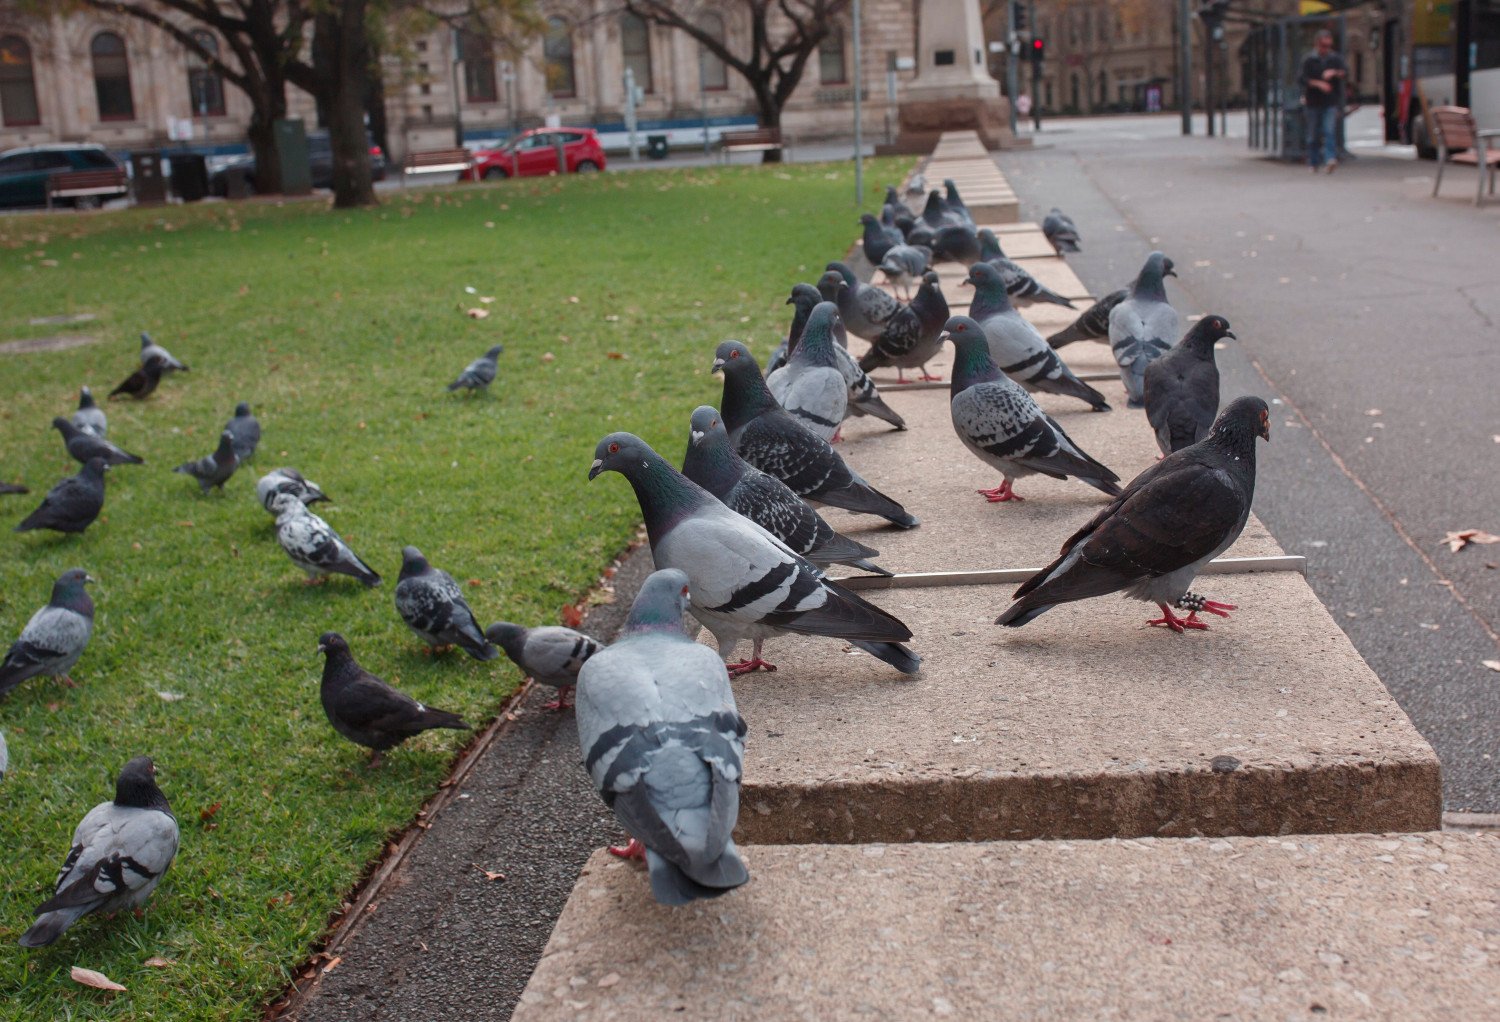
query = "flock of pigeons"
{"x": 736, "y": 538}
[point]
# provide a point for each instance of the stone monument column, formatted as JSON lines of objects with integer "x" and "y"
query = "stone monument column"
{"x": 953, "y": 90}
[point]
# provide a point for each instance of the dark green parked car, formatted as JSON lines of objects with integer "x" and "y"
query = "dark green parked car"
{"x": 24, "y": 172}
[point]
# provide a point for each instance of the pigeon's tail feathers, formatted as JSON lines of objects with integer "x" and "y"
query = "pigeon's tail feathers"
{"x": 456, "y": 384}
{"x": 871, "y": 361}
{"x": 1022, "y": 612}
{"x": 864, "y": 564}
{"x": 862, "y": 498}
{"x": 1109, "y": 486}
{"x": 877, "y": 407}
{"x": 846, "y": 615}
{"x": 362, "y": 571}
{"x": 893, "y": 653}
{"x": 840, "y": 549}
{"x": 1067, "y": 244}
{"x": 431, "y": 718}
{"x": 49, "y": 926}
{"x": 1067, "y": 335}
{"x": 1071, "y": 386}
{"x": 671, "y": 886}
{"x": 473, "y": 642}
{"x": 1046, "y": 294}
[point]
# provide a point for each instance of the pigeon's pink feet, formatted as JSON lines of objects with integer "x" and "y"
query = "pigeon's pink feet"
{"x": 634, "y": 850}
{"x": 69, "y": 682}
{"x": 1000, "y": 494}
{"x": 929, "y": 379}
{"x": 1172, "y": 621}
{"x": 1221, "y": 609}
{"x": 838, "y": 436}
{"x": 564, "y": 700}
{"x": 749, "y": 666}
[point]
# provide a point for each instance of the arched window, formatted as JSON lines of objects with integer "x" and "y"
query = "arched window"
{"x": 711, "y": 70}
{"x": 478, "y": 55}
{"x": 557, "y": 55}
{"x": 17, "y": 85}
{"x": 635, "y": 46}
{"x": 112, "y": 78}
{"x": 831, "y": 67}
{"x": 205, "y": 84}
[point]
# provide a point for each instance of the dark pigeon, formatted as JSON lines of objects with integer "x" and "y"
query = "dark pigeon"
{"x": 878, "y": 239}
{"x": 913, "y": 335}
{"x": 83, "y": 446}
{"x": 1182, "y": 387}
{"x": 216, "y": 468}
{"x": 90, "y": 417}
{"x": 1143, "y": 326}
{"x": 287, "y": 480}
{"x": 151, "y": 352}
{"x": 313, "y": 546}
{"x": 480, "y": 373}
{"x": 244, "y": 429}
{"x": 367, "y": 711}
{"x": 1019, "y": 283}
{"x": 1092, "y": 324}
{"x": 954, "y": 203}
{"x": 937, "y": 214}
{"x": 140, "y": 384}
{"x": 552, "y": 655}
{"x": 956, "y": 243}
{"x": 434, "y": 608}
{"x": 56, "y": 635}
{"x": 1062, "y": 232}
{"x": 71, "y": 505}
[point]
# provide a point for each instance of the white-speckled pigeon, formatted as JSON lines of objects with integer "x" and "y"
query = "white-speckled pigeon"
{"x": 480, "y": 373}
{"x": 56, "y": 635}
{"x": 903, "y": 266}
{"x": 1062, "y": 232}
{"x": 665, "y": 745}
{"x": 83, "y": 446}
{"x": 151, "y": 352}
{"x": 434, "y": 608}
{"x": 811, "y": 387}
{"x": 90, "y": 417}
{"x": 1019, "y": 283}
{"x": 1182, "y": 387}
{"x": 912, "y": 336}
{"x": 366, "y": 710}
{"x": 864, "y": 398}
{"x": 552, "y": 655}
{"x": 1143, "y": 326}
{"x": 244, "y": 428}
{"x": 1092, "y": 324}
{"x": 865, "y": 309}
{"x": 71, "y": 505}
{"x": 287, "y": 480}
{"x": 313, "y": 546}
{"x": 213, "y": 469}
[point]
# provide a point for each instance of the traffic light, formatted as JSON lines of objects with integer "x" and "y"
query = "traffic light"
{"x": 1018, "y": 16}
{"x": 1038, "y": 50}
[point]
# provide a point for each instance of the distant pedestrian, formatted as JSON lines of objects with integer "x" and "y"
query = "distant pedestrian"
{"x": 1322, "y": 97}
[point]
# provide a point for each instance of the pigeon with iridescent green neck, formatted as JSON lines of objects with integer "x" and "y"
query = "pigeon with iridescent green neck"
{"x": 864, "y": 398}
{"x": 56, "y": 635}
{"x": 810, "y": 386}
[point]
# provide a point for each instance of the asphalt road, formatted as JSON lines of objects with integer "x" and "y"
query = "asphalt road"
{"x": 1370, "y": 311}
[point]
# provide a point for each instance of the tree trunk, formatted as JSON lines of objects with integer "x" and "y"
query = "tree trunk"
{"x": 770, "y": 115}
{"x": 267, "y": 107}
{"x": 343, "y": 59}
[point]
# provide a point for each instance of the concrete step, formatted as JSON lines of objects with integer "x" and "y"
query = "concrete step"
{"x": 1356, "y": 927}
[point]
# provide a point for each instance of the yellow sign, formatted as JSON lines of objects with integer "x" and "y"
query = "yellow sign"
{"x": 1307, "y": 7}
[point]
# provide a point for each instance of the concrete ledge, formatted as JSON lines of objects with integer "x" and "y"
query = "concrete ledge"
{"x": 1369, "y": 927}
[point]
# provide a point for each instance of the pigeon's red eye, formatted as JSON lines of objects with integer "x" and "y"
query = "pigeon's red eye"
{"x": 614, "y": 448}
{"x": 734, "y": 354}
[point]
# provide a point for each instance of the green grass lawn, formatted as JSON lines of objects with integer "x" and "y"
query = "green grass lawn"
{"x": 341, "y": 330}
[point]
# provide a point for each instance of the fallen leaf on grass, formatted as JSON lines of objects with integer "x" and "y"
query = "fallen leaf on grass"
{"x": 572, "y": 299}
{"x": 547, "y": 356}
{"x": 487, "y": 299}
{"x": 616, "y": 355}
{"x": 90, "y": 978}
{"x": 210, "y": 812}
{"x": 1458, "y": 540}
{"x": 158, "y": 962}
{"x": 333, "y": 963}
{"x": 284, "y": 898}
{"x": 571, "y": 615}
{"x": 479, "y": 313}
{"x": 168, "y": 697}
{"x": 1493, "y": 665}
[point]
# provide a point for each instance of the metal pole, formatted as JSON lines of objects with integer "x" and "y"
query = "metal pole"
{"x": 859, "y": 133}
{"x": 703, "y": 101}
{"x": 1208, "y": 75}
{"x": 635, "y": 146}
{"x": 458, "y": 102}
{"x": 1036, "y": 75}
{"x": 1012, "y": 45}
{"x": 1185, "y": 65}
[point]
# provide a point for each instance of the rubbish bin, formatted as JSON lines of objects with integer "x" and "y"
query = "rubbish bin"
{"x": 656, "y": 147}
{"x": 236, "y": 182}
{"x": 146, "y": 180}
{"x": 189, "y": 176}
{"x": 291, "y": 146}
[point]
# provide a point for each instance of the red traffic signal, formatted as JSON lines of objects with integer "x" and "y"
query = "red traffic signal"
{"x": 1038, "y": 49}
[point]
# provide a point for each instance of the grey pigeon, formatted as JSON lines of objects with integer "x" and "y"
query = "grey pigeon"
{"x": 434, "y": 608}
{"x": 56, "y": 635}
{"x": 71, "y": 505}
{"x": 937, "y": 214}
{"x": 903, "y": 265}
{"x": 286, "y": 480}
{"x": 916, "y": 232}
{"x": 244, "y": 428}
{"x": 151, "y": 352}
{"x": 90, "y": 417}
{"x": 748, "y": 584}
{"x": 954, "y": 203}
{"x": 1092, "y": 324}
{"x": 1016, "y": 346}
{"x": 712, "y": 463}
{"x": 142, "y": 383}
{"x": 913, "y": 335}
{"x": 865, "y": 309}
{"x": 552, "y": 655}
{"x": 83, "y": 446}
{"x": 864, "y": 398}
{"x": 916, "y": 189}
{"x": 1062, "y": 232}
{"x": 313, "y": 546}
{"x": 1019, "y": 283}
{"x": 216, "y": 468}
{"x": 1182, "y": 387}
{"x": 120, "y": 852}
{"x": 997, "y": 420}
{"x": 480, "y": 373}
{"x": 1152, "y": 540}
{"x": 811, "y": 386}
{"x": 1143, "y": 326}
{"x": 367, "y": 711}
{"x": 769, "y": 438}
{"x": 956, "y": 243}
{"x": 878, "y": 239}
{"x": 665, "y": 746}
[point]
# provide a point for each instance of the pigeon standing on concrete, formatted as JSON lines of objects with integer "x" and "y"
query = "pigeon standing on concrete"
{"x": 286, "y": 480}
{"x": 244, "y": 428}
{"x": 90, "y": 417}
{"x": 865, "y": 309}
{"x": 142, "y": 383}
{"x": 748, "y": 584}
{"x": 878, "y": 238}
{"x": 552, "y": 655}
{"x": 956, "y": 243}
{"x": 1019, "y": 282}
{"x": 954, "y": 203}
{"x": 938, "y": 215}
{"x": 480, "y": 373}
{"x": 120, "y": 851}
{"x": 769, "y": 438}
{"x": 1143, "y": 326}
{"x": 151, "y": 352}
{"x": 56, "y": 635}
{"x": 913, "y": 335}
{"x": 1092, "y": 324}
{"x": 1015, "y": 345}
{"x": 1182, "y": 387}
{"x": 997, "y": 420}
{"x": 434, "y": 608}
{"x": 665, "y": 745}
{"x": 313, "y": 546}
{"x": 367, "y": 711}
{"x": 864, "y": 398}
{"x": 1062, "y": 232}
{"x": 917, "y": 231}
{"x": 903, "y": 266}
{"x": 1152, "y": 540}
{"x": 71, "y": 505}
{"x": 213, "y": 469}
{"x": 83, "y": 446}
{"x": 811, "y": 386}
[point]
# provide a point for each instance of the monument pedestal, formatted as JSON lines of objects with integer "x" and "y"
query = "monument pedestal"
{"x": 923, "y": 122}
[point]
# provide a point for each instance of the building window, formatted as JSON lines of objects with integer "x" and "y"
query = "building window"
{"x": 635, "y": 44}
{"x": 478, "y": 56}
{"x": 205, "y": 84}
{"x": 17, "y": 85}
{"x": 112, "y": 78}
{"x": 1103, "y": 89}
{"x": 712, "y": 74}
{"x": 557, "y": 55}
{"x": 831, "y": 67}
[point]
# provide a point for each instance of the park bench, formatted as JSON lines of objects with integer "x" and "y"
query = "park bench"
{"x": 1459, "y": 140}
{"x": 754, "y": 140}
{"x": 86, "y": 187}
{"x": 437, "y": 161}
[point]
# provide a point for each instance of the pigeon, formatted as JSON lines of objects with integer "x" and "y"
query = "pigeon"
{"x": 878, "y": 239}
{"x": 916, "y": 232}
{"x": 956, "y": 243}
{"x": 286, "y": 480}
{"x": 140, "y": 384}
{"x": 120, "y": 851}
{"x": 12, "y": 488}
{"x": 811, "y": 387}
{"x": 83, "y": 446}
{"x": 665, "y": 746}
{"x": 903, "y": 265}
{"x": 151, "y": 352}
{"x": 216, "y": 468}
{"x": 997, "y": 420}
{"x": 712, "y": 463}
{"x": 552, "y": 655}
{"x": 90, "y": 417}
{"x": 913, "y": 335}
{"x": 864, "y": 399}
{"x": 937, "y": 215}
{"x": 749, "y": 583}
{"x": 1152, "y": 540}
{"x": 1016, "y": 346}
{"x": 433, "y": 607}
{"x": 367, "y": 711}
{"x": 1092, "y": 324}
{"x": 1062, "y": 232}
{"x": 1182, "y": 387}
{"x": 480, "y": 373}
{"x": 313, "y": 546}
{"x": 916, "y": 188}
{"x": 244, "y": 429}
{"x": 769, "y": 438}
{"x": 955, "y": 204}
{"x": 1020, "y": 284}
{"x": 865, "y": 309}
{"x": 1142, "y": 327}
{"x": 71, "y": 505}
{"x": 56, "y": 635}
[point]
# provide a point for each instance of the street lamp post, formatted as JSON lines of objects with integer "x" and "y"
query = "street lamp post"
{"x": 1185, "y": 65}
{"x": 859, "y": 137}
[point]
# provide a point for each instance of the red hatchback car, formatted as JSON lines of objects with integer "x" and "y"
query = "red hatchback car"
{"x": 534, "y": 153}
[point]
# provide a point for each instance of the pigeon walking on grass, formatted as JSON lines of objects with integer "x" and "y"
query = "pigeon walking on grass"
{"x": 90, "y": 417}
{"x": 120, "y": 852}
{"x": 367, "y": 711}
{"x": 864, "y": 398}
{"x": 1143, "y": 326}
{"x": 747, "y": 584}
{"x": 286, "y": 480}
{"x": 480, "y": 373}
{"x": 1062, "y": 232}
{"x": 1182, "y": 387}
{"x": 140, "y": 384}
{"x": 1019, "y": 283}
{"x": 665, "y": 745}
{"x": 71, "y": 505}
{"x": 244, "y": 429}
{"x": 313, "y": 546}
{"x": 434, "y": 608}
{"x": 551, "y": 655}
{"x": 811, "y": 385}
{"x": 1092, "y": 324}
{"x": 913, "y": 335}
{"x": 153, "y": 353}
{"x": 56, "y": 635}
{"x": 1152, "y": 540}
{"x": 213, "y": 469}
{"x": 83, "y": 446}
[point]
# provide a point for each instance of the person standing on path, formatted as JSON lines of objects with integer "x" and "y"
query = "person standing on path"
{"x": 1322, "y": 72}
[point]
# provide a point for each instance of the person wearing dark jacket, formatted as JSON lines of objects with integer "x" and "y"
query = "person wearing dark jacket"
{"x": 1322, "y": 75}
